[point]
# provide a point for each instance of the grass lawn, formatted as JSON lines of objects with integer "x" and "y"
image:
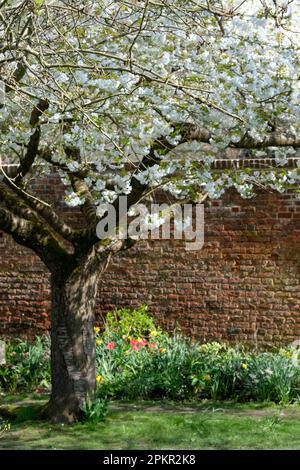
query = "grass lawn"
{"x": 158, "y": 425}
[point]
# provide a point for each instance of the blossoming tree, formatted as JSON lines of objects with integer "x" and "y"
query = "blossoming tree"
{"x": 107, "y": 93}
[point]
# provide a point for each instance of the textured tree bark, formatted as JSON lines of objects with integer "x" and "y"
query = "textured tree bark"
{"x": 72, "y": 340}
{"x": 75, "y": 273}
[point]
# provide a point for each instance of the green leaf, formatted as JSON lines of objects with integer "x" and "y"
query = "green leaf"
{"x": 38, "y": 3}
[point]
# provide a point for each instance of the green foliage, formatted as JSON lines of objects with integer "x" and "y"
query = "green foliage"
{"x": 162, "y": 372}
{"x": 219, "y": 371}
{"x": 28, "y": 365}
{"x": 126, "y": 322}
{"x": 165, "y": 425}
{"x": 126, "y": 331}
{"x": 274, "y": 377}
{"x": 150, "y": 364}
{"x": 4, "y": 426}
{"x": 95, "y": 410}
{"x": 8, "y": 378}
{"x": 137, "y": 360}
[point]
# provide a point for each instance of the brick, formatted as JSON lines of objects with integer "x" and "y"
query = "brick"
{"x": 245, "y": 279}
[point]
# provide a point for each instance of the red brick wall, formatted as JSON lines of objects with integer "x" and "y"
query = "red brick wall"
{"x": 244, "y": 285}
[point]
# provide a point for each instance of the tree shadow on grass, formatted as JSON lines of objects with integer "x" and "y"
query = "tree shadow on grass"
{"x": 144, "y": 427}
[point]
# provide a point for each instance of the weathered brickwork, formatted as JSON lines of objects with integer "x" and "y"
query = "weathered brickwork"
{"x": 243, "y": 286}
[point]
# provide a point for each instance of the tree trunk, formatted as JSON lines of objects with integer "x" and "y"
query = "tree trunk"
{"x": 72, "y": 341}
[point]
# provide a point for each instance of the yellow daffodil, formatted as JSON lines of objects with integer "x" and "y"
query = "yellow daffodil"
{"x": 207, "y": 378}
{"x": 96, "y": 330}
{"x": 244, "y": 366}
{"x": 288, "y": 354}
{"x": 153, "y": 333}
{"x": 162, "y": 350}
{"x": 98, "y": 342}
{"x": 99, "y": 379}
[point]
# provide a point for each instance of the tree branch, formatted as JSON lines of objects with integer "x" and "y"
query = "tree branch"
{"x": 16, "y": 206}
{"x": 44, "y": 211}
{"x": 33, "y": 144}
{"x": 273, "y": 139}
{"x": 80, "y": 187}
{"x": 35, "y": 237}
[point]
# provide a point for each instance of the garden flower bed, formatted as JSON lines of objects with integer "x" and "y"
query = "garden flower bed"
{"x": 137, "y": 360}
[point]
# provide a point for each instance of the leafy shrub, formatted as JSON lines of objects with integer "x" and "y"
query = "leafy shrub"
{"x": 28, "y": 365}
{"x": 4, "y": 426}
{"x": 161, "y": 372}
{"x": 8, "y": 378}
{"x": 137, "y": 360}
{"x": 220, "y": 371}
{"x": 94, "y": 410}
{"x": 125, "y": 322}
{"x": 273, "y": 377}
{"x": 157, "y": 366}
{"x": 126, "y": 331}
